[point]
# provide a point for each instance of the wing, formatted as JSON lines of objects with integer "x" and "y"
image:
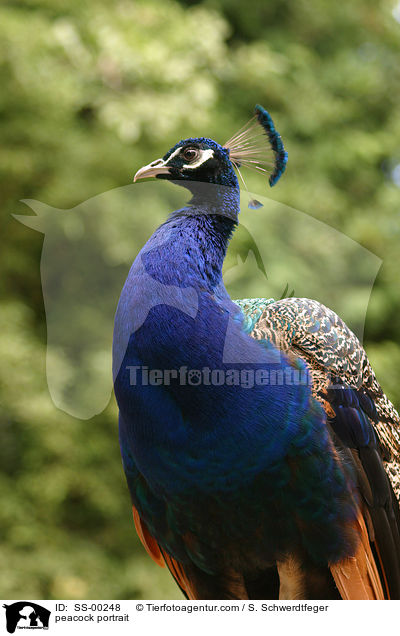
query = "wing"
{"x": 364, "y": 427}
{"x": 332, "y": 351}
{"x": 162, "y": 558}
{"x": 194, "y": 583}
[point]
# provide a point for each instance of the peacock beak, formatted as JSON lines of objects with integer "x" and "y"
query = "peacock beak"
{"x": 152, "y": 170}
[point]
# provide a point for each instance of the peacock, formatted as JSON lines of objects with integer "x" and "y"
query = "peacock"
{"x": 260, "y": 452}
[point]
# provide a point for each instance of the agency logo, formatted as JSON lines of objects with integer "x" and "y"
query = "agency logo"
{"x": 26, "y": 615}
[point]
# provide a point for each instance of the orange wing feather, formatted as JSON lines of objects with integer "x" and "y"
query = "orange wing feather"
{"x": 357, "y": 577}
{"x": 162, "y": 558}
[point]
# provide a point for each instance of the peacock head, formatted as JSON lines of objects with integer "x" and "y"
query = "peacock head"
{"x": 193, "y": 160}
{"x": 257, "y": 145}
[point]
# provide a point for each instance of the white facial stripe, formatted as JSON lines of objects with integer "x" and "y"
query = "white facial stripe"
{"x": 176, "y": 152}
{"x": 205, "y": 155}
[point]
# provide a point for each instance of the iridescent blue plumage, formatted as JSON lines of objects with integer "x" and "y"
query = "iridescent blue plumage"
{"x": 169, "y": 432}
{"x": 231, "y": 466}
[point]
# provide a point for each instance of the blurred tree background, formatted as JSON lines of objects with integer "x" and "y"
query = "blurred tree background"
{"x": 90, "y": 91}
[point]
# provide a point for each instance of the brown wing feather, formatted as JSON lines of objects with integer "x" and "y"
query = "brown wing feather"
{"x": 316, "y": 334}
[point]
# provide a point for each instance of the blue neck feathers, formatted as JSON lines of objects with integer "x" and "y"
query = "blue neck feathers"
{"x": 190, "y": 247}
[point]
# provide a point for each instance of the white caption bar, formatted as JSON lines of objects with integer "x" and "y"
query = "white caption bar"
{"x": 193, "y": 617}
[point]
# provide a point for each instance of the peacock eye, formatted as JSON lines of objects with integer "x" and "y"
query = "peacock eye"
{"x": 190, "y": 154}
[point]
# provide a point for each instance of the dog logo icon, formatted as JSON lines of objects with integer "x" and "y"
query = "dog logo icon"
{"x": 26, "y": 615}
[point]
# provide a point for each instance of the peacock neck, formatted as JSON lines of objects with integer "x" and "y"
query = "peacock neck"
{"x": 216, "y": 199}
{"x": 198, "y": 236}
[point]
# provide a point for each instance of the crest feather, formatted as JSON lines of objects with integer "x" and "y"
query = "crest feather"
{"x": 247, "y": 147}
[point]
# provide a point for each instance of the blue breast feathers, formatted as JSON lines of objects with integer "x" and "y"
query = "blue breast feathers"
{"x": 202, "y": 404}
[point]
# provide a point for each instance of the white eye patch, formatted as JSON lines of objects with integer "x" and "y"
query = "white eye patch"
{"x": 205, "y": 155}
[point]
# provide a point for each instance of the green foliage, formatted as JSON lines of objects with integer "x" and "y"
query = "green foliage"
{"x": 90, "y": 92}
